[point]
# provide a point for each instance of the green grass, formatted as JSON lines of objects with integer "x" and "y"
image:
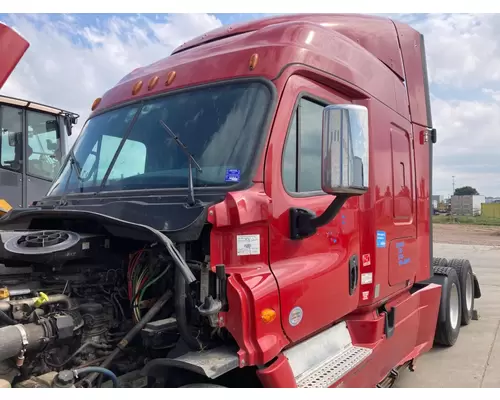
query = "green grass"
{"x": 459, "y": 219}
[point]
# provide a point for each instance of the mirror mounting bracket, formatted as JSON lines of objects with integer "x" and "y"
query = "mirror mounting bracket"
{"x": 304, "y": 223}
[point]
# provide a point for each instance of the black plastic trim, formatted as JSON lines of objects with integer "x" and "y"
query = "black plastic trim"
{"x": 304, "y": 223}
{"x": 389, "y": 322}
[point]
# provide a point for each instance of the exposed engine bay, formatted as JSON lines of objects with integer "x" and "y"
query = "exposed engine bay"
{"x": 73, "y": 301}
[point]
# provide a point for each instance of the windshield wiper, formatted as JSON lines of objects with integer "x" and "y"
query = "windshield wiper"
{"x": 74, "y": 166}
{"x": 191, "y": 160}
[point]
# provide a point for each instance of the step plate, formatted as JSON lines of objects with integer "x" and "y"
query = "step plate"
{"x": 334, "y": 368}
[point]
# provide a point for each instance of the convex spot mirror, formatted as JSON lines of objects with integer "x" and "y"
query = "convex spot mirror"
{"x": 345, "y": 152}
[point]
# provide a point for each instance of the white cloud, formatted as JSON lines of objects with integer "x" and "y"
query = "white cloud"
{"x": 463, "y": 56}
{"x": 467, "y": 146}
{"x": 462, "y": 49}
{"x": 68, "y": 65}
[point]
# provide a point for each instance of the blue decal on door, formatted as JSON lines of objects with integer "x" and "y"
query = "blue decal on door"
{"x": 401, "y": 257}
{"x": 381, "y": 239}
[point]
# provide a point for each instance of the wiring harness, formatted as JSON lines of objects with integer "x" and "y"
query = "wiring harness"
{"x": 142, "y": 273}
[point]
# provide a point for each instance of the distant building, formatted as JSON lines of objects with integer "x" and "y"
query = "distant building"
{"x": 437, "y": 198}
{"x": 467, "y": 205}
{"x": 490, "y": 199}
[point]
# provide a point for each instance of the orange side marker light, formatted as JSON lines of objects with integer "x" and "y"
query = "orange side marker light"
{"x": 268, "y": 315}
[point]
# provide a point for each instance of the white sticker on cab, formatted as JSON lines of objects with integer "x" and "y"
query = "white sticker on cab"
{"x": 366, "y": 278}
{"x": 247, "y": 245}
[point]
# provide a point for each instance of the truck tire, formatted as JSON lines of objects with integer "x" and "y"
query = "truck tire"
{"x": 439, "y": 262}
{"x": 464, "y": 271}
{"x": 450, "y": 310}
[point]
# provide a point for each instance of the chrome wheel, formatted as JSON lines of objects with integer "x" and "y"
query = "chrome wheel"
{"x": 454, "y": 306}
{"x": 469, "y": 292}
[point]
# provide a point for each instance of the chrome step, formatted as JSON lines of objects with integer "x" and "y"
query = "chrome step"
{"x": 333, "y": 368}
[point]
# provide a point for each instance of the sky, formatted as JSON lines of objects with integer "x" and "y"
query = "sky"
{"x": 74, "y": 58}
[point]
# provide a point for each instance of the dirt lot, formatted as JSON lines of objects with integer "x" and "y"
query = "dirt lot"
{"x": 467, "y": 234}
{"x": 474, "y": 361}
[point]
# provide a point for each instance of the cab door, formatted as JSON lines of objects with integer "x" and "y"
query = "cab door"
{"x": 11, "y": 155}
{"x": 44, "y": 151}
{"x": 318, "y": 277}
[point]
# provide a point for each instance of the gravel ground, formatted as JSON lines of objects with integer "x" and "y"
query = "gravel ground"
{"x": 466, "y": 234}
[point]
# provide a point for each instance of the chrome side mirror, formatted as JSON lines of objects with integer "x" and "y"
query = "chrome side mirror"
{"x": 345, "y": 152}
{"x": 344, "y": 166}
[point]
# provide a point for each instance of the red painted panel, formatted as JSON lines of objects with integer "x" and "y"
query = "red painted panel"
{"x": 311, "y": 273}
{"x": 411, "y": 48}
{"x": 12, "y": 49}
{"x": 402, "y": 175}
{"x": 377, "y": 35}
{"x": 251, "y": 285}
{"x": 278, "y": 375}
{"x": 278, "y": 46}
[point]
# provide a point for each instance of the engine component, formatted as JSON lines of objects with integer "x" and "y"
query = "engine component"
{"x": 41, "y": 242}
{"x": 180, "y": 313}
{"x": 96, "y": 321}
{"x": 41, "y": 299}
{"x": 17, "y": 339}
{"x": 66, "y": 307}
{"x": 158, "y": 334}
{"x": 131, "y": 334}
{"x": 41, "y": 381}
{"x": 97, "y": 370}
{"x": 64, "y": 379}
{"x": 52, "y": 247}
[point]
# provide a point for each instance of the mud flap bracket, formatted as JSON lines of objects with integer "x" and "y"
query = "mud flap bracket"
{"x": 389, "y": 322}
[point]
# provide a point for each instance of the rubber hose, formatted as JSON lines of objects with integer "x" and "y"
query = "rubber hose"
{"x": 11, "y": 339}
{"x": 180, "y": 313}
{"x": 6, "y": 319}
{"x": 99, "y": 370}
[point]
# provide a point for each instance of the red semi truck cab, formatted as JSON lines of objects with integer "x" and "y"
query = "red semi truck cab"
{"x": 309, "y": 138}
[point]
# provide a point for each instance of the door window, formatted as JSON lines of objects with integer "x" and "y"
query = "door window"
{"x": 302, "y": 154}
{"x": 11, "y": 143}
{"x": 43, "y": 150}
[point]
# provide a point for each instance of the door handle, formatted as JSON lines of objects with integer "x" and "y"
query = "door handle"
{"x": 353, "y": 274}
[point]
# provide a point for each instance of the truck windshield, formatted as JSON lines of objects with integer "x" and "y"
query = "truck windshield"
{"x": 128, "y": 148}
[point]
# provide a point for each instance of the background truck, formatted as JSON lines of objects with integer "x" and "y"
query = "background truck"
{"x": 33, "y": 136}
{"x": 254, "y": 210}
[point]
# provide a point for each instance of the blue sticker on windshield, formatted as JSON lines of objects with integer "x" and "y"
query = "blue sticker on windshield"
{"x": 232, "y": 175}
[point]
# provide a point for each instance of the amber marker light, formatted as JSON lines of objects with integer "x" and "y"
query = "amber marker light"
{"x": 253, "y": 61}
{"x": 136, "y": 88}
{"x": 170, "y": 78}
{"x": 152, "y": 82}
{"x": 96, "y": 103}
{"x": 268, "y": 315}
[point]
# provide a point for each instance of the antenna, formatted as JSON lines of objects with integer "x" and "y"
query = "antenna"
{"x": 453, "y": 185}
